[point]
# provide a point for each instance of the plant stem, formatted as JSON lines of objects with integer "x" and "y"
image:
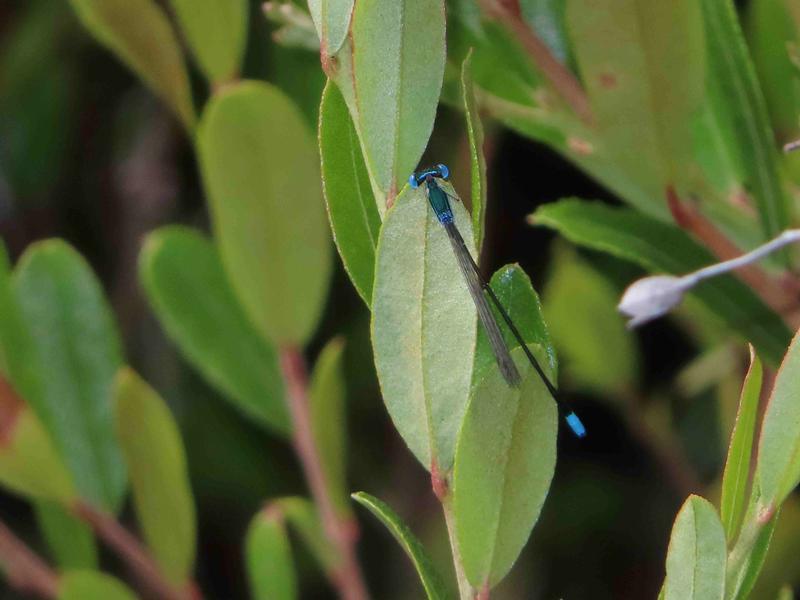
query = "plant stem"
{"x": 441, "y": 489}
{"x": 563, "y": 81}
{"x": 24, "y": 570}
{"x": 133, "y": 553}
{"x": 464, "y": 588}
{"x": 740, "y": 555}
{"x": 342, "y": 534}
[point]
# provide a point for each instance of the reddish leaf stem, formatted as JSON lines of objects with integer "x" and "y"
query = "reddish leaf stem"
{"x": 131, "y": 550}
{"x": 24, "y": 570}
{"x": 347, "y": 578}
{"x": 560, "y": 77}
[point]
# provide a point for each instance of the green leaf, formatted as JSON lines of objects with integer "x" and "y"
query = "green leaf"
{"x": 659, "y": 247}
{"x": 332, "y": 20}
{"x": 261, "y": 174}
{"x": 351, "y": 206}
{"x": 477, "y": 160}
{"x": 78, "y": 351}
{"x": 153, "y": 450}
{"x": 778, "y": 465}
{"x": 29, "y": 464}
{"x": 398, "y": 59}
{"x": 270, "y": 569}
{"x": 548, "y": 19}
{"x": 139, "y": 33}
{"x": 742, "y": 574}
{"x": 597, "y": 352}
{"x": 642, "y": 63}
{"x": 785, "y": 593}
{"x": 696, "y": 554}
{"x": 216, "y": 32}
{"x": 516, "y": 82}
{"x": 513, "y": 289}
{"x": 757, "y": 558}
{"x": 505, "y": 460}
{"x": 731, "y": 69}
{"x": 187, "y": 287}
{"x": 302, "y": 516}
{"x": 92, "y": 585}
{"x": 770, "y": 31}
{"x": 423, "y": 328}
{"x": 70, "y": 540}
{"x": 429, "y": 577}
{"x": 737, "y": 465}
{"x": 327, "y": 390}
{"x": 17, "y": 350}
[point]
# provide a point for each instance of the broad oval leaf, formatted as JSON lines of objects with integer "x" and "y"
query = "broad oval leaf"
{"x": 270, "y": 569}
{"x": 78, "y": 351}
{"x": 398, "y": 64}
{"x": 139, "y": 33}
{"x": 696, "y": 555}
{"x": 423, "y": 328}
{"x": 662, "y": 248}
{"x": 29, "y": 464}
{"x": 429, "y": 577}
{"x": 261, "y": 174}
{"x": 778, "y": 465}
{"x": 348, "y": 193}
{"x": 597, "y": 352}
{"x": 326, "y": 392}
{"x": 92, "y": 585}
{"x": 153, "y": 450}
{"x": 216, "y": 32}
{"x": 515, "y": 292}
{"x": 505, "y": 460}
{"x": 642, "y": 63}
{"x": 332, "y": 20}
{"x": 187, "y": 287}
{"x": 737, "y": 464}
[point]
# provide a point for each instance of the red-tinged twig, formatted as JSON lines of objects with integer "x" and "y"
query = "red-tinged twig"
{"x": 567, "y": 86}
{"x": 131, "y": 550}
{"x": 23, "y": 569}
{"x": 441, "y": 489}
{"x": 347, "y": 578}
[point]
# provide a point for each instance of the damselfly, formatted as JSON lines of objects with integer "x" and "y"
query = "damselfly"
{"x": 439, "y": 192}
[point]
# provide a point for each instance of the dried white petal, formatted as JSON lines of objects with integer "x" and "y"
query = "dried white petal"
{"x": 652, "y": 297}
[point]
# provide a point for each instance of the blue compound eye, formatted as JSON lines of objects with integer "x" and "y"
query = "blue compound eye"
{"x": 444, "y": 172}
{"x": 412, "y": 181}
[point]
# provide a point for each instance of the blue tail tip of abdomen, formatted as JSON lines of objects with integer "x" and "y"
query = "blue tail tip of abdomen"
{"x": 576, "y": 425}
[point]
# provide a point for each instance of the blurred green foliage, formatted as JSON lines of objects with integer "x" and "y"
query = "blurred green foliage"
{"x": 119, "y": 119}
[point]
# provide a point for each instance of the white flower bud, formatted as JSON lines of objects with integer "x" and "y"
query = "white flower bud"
{"x": 652, "y": 297}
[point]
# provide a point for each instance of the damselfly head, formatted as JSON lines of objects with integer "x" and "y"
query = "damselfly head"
{"x": 437, "y": 172}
